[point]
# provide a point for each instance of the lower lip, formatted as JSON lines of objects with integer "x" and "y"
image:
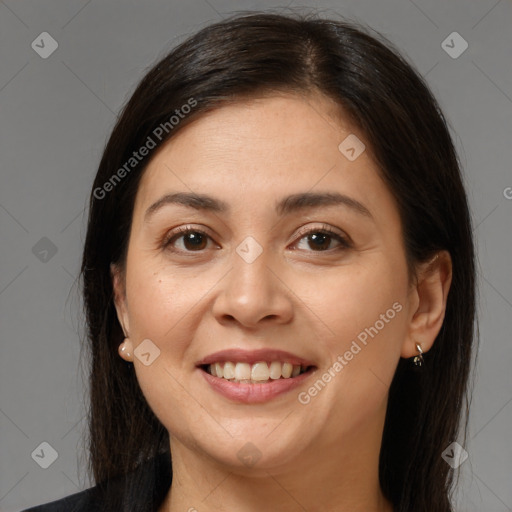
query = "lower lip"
{"x": 254, "y": 393}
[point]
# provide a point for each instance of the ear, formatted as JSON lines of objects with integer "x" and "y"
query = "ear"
{"x": 118, "y": 285}
{"x": 429, "y": 295}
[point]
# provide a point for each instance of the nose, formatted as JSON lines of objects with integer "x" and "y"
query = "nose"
{"x": 253, "y": 294}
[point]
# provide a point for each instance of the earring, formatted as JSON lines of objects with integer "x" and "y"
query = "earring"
{"x": 418, "y": 360}
{"x": 126, "y": 350}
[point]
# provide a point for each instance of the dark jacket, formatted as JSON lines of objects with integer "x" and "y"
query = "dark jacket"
{"x": 147, "y": 485}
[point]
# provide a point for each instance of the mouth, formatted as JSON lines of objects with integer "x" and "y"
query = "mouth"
{"x": 257, "y": 373}
{"x": 255, "y": 376}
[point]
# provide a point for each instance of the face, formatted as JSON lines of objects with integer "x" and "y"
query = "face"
{"x": 281, "y": 254}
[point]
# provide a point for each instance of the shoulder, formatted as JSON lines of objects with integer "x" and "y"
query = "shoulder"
{"x": 149, "y": 483}
{"x": 84, "y": 501}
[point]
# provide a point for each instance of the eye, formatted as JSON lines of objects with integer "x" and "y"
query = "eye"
{"x": 320, "y": 239}
{"x": 192, "y": 240}
{"x": 196, "y": 240}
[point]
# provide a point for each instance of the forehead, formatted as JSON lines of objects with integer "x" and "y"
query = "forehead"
{"x": 261, "y": 148}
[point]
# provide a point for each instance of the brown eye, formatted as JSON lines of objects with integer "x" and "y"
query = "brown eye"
{"x": 189, "y": 239}
{"x": 320, "y": 240}
{"x": 194, "y": 241}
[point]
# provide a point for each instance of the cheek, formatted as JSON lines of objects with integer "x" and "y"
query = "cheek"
{"x": 167, "y": 306}
{"x": 164, "y": 311}
{"x": 158, "y": 299}
{"x": 365, "y": 309}
{"x": 360, "y": 297}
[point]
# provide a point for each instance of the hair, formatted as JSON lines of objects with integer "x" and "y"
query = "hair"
{"x": 248, "y": 56}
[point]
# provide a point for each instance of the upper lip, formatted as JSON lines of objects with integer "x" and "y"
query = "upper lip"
{"x": 253, "y": 356}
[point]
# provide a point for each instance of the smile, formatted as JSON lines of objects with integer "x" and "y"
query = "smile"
{"x": 257, "y": 373}
{"x": 254, "y": 376}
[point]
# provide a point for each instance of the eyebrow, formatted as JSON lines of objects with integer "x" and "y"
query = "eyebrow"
{"x": 285, "y": 206}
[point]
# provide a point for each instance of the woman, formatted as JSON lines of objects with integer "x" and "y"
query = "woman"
{"x": 279, "y": 281}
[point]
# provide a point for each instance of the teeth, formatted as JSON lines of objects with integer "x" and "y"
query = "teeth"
{"x": 286, "y": 372}
{"x": 242, "y": 371}
{"x": 275, "y": 370}
{"x": 229, "y": 370}
{"x": 258, "y": 372}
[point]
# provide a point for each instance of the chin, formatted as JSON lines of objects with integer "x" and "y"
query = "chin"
{"x": 256, "y": 444}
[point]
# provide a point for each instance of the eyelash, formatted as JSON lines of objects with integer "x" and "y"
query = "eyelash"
{"x": 324, "y": 230}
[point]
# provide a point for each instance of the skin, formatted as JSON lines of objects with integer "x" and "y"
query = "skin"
{"x": 322, "y": 455}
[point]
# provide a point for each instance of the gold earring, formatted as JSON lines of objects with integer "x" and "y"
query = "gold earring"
{"x": 418, "y": 360}
{"x": 126, "y": 350}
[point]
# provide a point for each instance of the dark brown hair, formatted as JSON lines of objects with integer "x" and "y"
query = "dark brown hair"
{"x": 247, "y": 56}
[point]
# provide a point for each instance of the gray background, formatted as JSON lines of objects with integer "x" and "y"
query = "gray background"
{"x": 55, "y": 115}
